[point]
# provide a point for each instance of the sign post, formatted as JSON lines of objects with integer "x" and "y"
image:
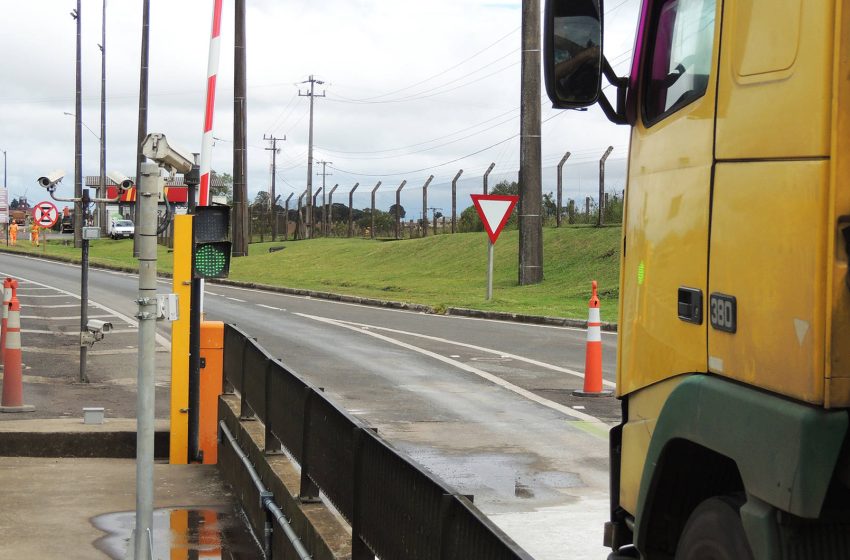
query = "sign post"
{"x": 494, "y": 211}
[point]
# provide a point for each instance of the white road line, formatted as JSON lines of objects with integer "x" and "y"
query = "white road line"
{"x": 269, "y": 307}
{"x": 40, "y": 296}
{"x": 37, "y": 331}
{"x": 500, "y": 353}
{"x": 76, "y": 352}
{"x": 235, "y": 299}
{"x": 481, "y": 373}
{"x": 164, "y": 342}
{"x": 53, "y": 306}
{"x": 211, "y": 294}
{"x": 66, "y": 317}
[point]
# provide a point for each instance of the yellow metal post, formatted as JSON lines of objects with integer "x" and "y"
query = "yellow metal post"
{"x": 179, "y": 446}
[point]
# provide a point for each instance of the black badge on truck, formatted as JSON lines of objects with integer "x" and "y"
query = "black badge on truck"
{"x": 723, "y": 312}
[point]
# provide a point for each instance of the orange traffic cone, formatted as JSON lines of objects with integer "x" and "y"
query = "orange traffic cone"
{"x": 13, "y": 386}
{"x": 593, "y": 353}
{"x": 7, "y": 299}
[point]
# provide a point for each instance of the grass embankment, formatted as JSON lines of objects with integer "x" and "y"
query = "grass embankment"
{"x": 441, "y": 271}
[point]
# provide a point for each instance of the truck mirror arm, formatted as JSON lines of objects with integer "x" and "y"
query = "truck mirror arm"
{"x": 618, "y": 115}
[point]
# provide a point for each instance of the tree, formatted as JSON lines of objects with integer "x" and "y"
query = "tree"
{"x": 225, "y": 189}
{"x": 506, "y": 187}
{"x": 401, "y": 212}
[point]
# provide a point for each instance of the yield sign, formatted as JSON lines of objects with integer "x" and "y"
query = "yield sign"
{"x": 494, "y": 210}
{"x": 45, "y": 214}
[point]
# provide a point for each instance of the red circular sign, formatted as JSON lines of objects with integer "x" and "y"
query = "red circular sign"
{"x": 45, "y": 214}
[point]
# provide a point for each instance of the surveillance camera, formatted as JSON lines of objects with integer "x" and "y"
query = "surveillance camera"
{"x": 157, "y": 148}
{"x": 120, "y": 179}
{"x": 49, "y": 182}
{"x": 98, "y": 327}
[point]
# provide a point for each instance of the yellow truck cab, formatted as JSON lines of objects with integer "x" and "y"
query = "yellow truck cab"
{"x": 733, "y": 362}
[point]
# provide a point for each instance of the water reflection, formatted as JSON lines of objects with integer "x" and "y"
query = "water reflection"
{"x": 181, "y": 534}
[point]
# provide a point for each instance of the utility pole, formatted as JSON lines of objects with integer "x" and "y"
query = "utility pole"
{"x": 531, "y": 191}
{"x": 143, "y": 107}
{"x": 350, "y": 208}
{"x": 324, "y": 175}
{"x": 560, "y": 188}
{"x": 240, "y": 139}
{"x": 600, "y": 219}
{"x": 454, "y": 201}
{"x": 101, "y": 215}
{"x": 274, "y": 150}
{"x": 78, "y": 138}
{"x": 312, "y": 95}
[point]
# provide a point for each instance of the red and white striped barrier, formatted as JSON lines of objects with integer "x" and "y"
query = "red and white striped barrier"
{"x": 13, "y": 382}
{"x": 212, "y": 73}
{"x": 593, "y": 352}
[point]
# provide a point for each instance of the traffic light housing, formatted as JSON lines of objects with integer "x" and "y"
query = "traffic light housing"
{"x": 211, "y": 242}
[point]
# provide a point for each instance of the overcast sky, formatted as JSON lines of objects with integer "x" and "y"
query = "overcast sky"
{"x": 410, "y": 86}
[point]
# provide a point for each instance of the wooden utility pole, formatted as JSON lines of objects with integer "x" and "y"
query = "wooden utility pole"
{"x": 241, "y": 236}
{"x": 454, "y": 201}
{"x": 530, "y": 189}
{"x": 560, "y": 188}
{"x": 274, "y": 150}
{"x": 308, "y": 220}
{"x": 600, "y": 219}
{"x": 351, "y": 209}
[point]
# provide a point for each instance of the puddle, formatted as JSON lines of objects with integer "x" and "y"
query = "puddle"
{"x": 216, "y": 532}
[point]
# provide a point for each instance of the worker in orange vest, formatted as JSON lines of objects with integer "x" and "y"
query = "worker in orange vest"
{"x": 34, "y": 233}
{"x": 13, "y": 233}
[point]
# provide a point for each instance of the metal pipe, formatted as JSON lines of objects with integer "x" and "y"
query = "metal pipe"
{"x": 399, "y": 232}
{"x": 560, "y": 188}
{"x": 372, "y": 231}
{"x": 425, "y": 206}
{"x": 146, "y": 315}
{"x": 265, "y": 496}
{"x": 600, "y": 219}
{"x": 486, "y": 175}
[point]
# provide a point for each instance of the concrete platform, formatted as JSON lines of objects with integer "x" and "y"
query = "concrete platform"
{"x": 51, "y": 506}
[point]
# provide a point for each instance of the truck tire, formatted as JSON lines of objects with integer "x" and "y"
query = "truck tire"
{"x": 714, "y": 532}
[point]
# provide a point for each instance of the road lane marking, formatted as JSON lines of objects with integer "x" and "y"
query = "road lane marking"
{"x": 500, "y": 353}
{"x": 235, "y": 299}
{"x": 40, "y": 296}
{"x": 57, "y": 306}
{"x": 593, "y": 425}
{"x": 269, "y": 307}
{"x": 164, "y": 342}
{"x": 66, "y": 317}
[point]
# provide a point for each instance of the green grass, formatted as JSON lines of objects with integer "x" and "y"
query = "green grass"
{"x": 441, "y": 271}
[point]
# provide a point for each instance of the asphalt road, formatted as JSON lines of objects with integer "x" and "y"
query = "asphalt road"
{"x": 485, "y": 405}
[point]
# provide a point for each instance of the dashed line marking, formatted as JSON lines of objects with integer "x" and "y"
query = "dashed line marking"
{"x": 235, "y": 299}
{"x": 270, "y": 307}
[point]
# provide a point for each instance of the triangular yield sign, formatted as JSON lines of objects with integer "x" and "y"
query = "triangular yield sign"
{"x": 494, "y": 211}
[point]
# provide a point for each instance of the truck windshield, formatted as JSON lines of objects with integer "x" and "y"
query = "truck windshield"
{"x": 681, "y": 56}
{"x": 124, "y": 223}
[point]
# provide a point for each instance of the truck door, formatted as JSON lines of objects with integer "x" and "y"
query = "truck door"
{"x": 666, "y": 228}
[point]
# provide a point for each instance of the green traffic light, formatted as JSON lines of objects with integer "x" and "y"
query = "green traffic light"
{"x": 212, "y": 260}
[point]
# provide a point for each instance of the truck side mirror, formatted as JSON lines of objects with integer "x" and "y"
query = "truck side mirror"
{"x": 572, "y": 52}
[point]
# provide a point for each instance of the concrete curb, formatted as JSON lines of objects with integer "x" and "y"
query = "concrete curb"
{"x": 374, "y": 302}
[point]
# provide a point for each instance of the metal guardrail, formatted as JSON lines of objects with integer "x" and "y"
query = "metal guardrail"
{"x": 396, "y": 509}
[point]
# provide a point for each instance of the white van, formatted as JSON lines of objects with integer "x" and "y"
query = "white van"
{"x": 119, "y": 227}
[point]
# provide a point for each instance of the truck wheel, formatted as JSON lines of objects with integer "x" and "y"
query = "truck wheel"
{"x": 714, "y": 532}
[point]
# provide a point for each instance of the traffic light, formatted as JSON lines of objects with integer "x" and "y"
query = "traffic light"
{"x": 211, "y": 243}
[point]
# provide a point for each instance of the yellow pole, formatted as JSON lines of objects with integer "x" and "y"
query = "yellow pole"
{"x": 179, "y": 448}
